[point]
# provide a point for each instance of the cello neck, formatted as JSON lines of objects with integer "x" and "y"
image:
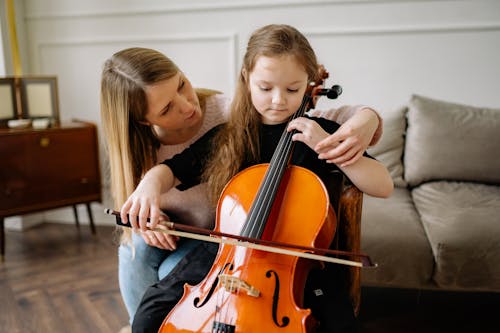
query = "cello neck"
{"x": 263, "y": 203}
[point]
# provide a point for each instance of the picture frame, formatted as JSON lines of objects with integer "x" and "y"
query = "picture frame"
{"x": 8, "y": 100}
{"x": 39, "y": 97}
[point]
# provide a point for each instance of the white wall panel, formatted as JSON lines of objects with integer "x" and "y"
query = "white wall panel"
{"x": 380, "y": 51}
{"x": 442, "y": 62}
{"x": 78, "y": 65}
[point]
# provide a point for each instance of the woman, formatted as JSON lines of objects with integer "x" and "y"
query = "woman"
{"x": 150, "y": 112}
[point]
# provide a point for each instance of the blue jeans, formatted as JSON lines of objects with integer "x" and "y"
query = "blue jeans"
{"x": 145, "y": 265}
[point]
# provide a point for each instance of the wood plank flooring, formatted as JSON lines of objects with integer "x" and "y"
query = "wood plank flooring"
{"x": 60, "y": 279}
{"x": 57, "y": 278}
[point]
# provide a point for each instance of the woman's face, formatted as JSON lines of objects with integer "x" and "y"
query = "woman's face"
{"x": 173, "y": 109}
{"x": 277, "y": 85}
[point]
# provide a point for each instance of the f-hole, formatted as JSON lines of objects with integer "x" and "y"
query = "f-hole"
{"x": 285, "y": 320}
{"x": 196, "y": 301}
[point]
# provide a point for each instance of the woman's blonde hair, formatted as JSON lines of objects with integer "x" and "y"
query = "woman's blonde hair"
{"x": 132, "y": 145}
{"x": 237, "y": 145}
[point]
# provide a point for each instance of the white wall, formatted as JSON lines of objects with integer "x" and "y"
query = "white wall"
{"x": 2, "y": 56}
{"x": 379, "y": 51}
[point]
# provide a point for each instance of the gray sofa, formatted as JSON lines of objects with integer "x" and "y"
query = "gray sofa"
{"x": 440, "y": 229}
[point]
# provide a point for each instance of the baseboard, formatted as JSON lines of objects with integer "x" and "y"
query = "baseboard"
{"x": 66, "y": 216}
{"x": 20, "y": 223}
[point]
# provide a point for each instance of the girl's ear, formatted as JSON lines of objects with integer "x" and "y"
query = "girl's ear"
{"x": 144, "y": 122}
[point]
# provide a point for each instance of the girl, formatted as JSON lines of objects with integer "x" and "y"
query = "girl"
{"x": 137, "y": 84}
{"x": 277, "y": 67}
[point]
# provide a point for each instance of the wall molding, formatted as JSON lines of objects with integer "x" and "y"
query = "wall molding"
{"x": 230, "y": 38}
{"x": 407, "y": 29}
{"x": 138, "y": 39}
{"x": 213, "y": 6}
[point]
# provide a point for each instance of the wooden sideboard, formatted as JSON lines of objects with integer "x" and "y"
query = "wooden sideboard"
{"x": 48, "y": 168}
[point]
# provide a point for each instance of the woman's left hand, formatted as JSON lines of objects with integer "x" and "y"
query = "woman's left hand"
{"x": 350, "y": 141}
{"x": 160, "y": 239}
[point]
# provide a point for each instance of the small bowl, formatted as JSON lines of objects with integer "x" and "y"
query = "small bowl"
{"x": 41, "y": 123}
{"x": 19, "y": 123}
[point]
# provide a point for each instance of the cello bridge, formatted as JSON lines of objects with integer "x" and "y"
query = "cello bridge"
{"x": 235, "y": 284}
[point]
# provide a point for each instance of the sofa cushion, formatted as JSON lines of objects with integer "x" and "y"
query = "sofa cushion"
{"x": 462, "y": 222}
{"x": 389, "y": 150}
{"x": 392, "y": 235}
{"x": 446, "y": 141}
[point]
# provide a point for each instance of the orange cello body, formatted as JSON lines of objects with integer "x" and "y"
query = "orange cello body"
{"x": 249, "y": 290}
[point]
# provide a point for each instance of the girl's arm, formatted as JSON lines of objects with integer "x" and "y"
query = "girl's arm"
{"x": 370, "y": 176}
{"x": 144, "y": 202}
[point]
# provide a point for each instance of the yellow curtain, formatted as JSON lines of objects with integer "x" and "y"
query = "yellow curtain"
{"x": 14, "y": 46}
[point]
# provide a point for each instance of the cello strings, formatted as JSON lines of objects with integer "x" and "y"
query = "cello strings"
{"x": 275, "y": 172}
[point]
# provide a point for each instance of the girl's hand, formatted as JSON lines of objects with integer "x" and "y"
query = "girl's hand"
{"x": 310, "y": 132}
{"x": 350, "y": 141}
{"x": 160, "y": 239}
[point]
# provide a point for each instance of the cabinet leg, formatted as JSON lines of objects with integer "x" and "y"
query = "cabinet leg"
{"x": 2, "y": 239}
{"x": 91, "y": 218}
{"x": 75, "y": 212}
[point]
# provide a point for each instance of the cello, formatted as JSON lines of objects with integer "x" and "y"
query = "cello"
{"x": 249, "y": 289}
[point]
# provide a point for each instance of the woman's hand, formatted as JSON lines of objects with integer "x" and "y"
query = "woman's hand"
{"x": 160, "y": 239}
{"x": 309, "y": 131}
{"x": 350, "y": 141}
{"x": 144, "y": 202}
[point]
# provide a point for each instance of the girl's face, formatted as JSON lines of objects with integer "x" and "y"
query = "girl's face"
{"x": 173, "y": 109}
{"x": 277, "y": 86}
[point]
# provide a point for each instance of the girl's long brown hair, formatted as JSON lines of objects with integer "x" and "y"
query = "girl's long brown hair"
{"x": 237, "y": 143}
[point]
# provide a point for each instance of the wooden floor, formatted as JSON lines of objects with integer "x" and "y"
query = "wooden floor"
{"x": 58, "y": 279}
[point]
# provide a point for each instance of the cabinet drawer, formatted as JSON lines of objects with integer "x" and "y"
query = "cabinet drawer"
{"x": 67, "y": 158}
{"x": 49, "y": 168}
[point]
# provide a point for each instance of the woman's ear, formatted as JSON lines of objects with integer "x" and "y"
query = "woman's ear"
{"x": 144, "y": 122}
{"x": 244, "y": 75}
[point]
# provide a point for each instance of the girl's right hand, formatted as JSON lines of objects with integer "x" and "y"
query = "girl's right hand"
{"x": 308, "y": 131}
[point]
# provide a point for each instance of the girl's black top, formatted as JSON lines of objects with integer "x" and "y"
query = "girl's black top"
{"x": 188, "y": 165}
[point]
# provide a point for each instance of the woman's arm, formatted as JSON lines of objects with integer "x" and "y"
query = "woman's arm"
{"x": 361, "y": 126}
{"x": 144, "y": 202}
{"x": 185, "y": 167}
{"x": 369, "y": 175}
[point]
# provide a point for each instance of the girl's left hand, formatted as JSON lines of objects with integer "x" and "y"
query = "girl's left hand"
{"x": 309, "y": 131}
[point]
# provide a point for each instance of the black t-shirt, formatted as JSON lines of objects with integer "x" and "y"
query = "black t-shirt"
{"x": 188, "y": 165}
